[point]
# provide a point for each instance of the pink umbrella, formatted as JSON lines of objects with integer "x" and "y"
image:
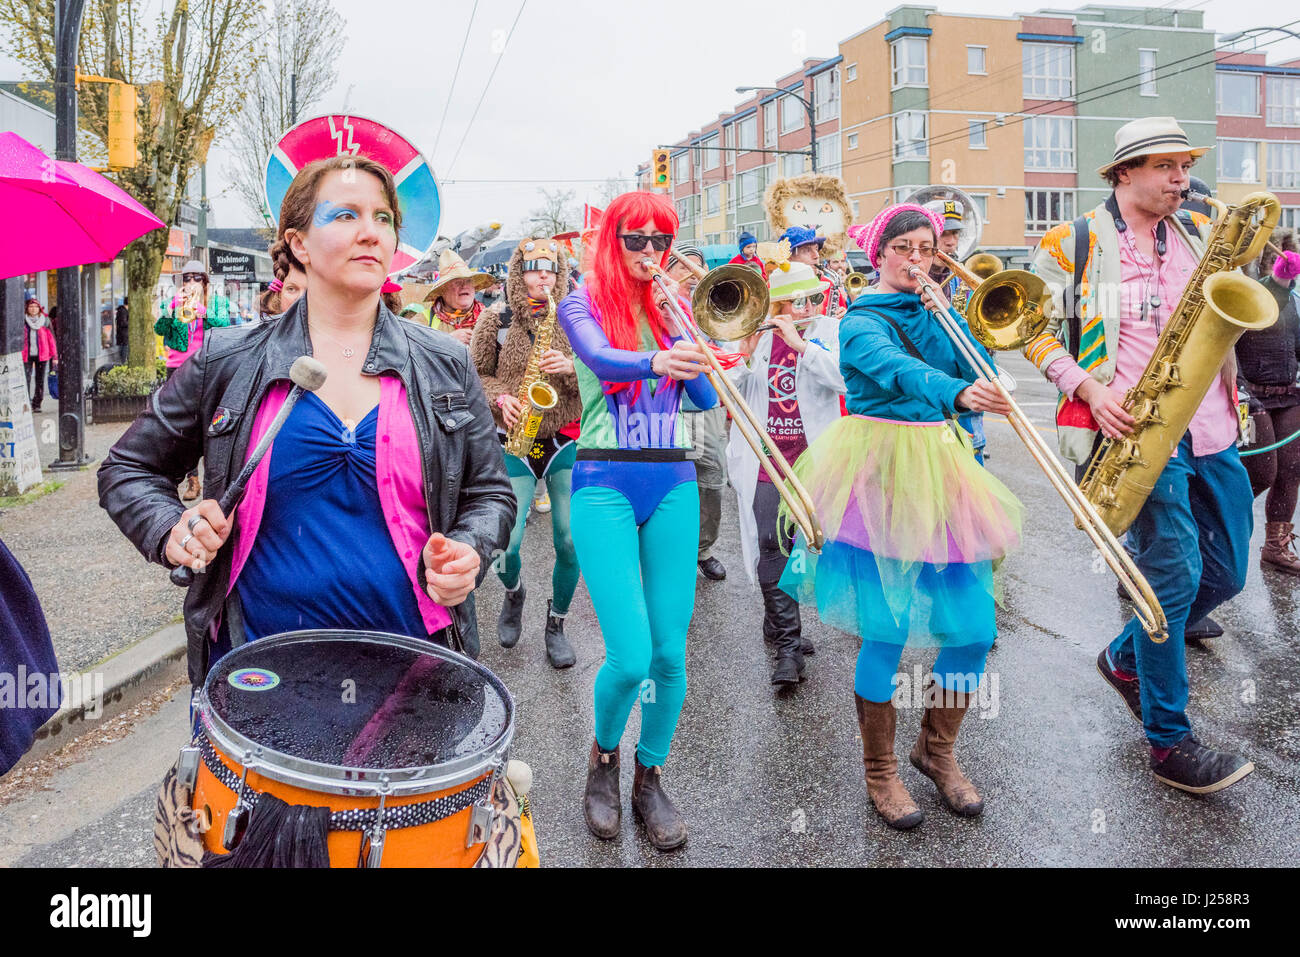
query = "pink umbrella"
{"x": 61, "y": 214}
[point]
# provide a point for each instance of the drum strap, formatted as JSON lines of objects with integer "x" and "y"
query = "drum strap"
{"x": 404, "y": 815}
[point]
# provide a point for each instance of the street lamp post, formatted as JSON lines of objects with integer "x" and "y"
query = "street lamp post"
{"x": 807, "y": 105}
{"x": 1233, "y": 37}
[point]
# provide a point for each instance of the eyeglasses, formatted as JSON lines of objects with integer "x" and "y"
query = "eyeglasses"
{"x": 906, "y": 249}
{"x": 192, "y": 277}
{"x": 816, "y": 299}
{"x": 635, "y": 242}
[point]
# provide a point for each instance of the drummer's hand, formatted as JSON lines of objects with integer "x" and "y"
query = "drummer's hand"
{"x": 1107, "y": 408}
{"x": 983, "y": 397}
{"x": 451, "y": 568}
{"x": 555, "y": 362}
{"x": 462, "y": 335}
{"x": 682, "y": 361}
{"x": 510, "y": 409}
{"x": 209, "y": 534}
{"x": 932, "y": 298}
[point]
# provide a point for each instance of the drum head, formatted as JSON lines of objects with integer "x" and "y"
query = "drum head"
{"x": 336, "y": 703}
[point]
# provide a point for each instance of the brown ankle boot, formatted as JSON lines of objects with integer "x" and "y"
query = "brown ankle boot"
{"x": 601, "y": 804}
{"x": 664, "y": 825}
{"x": 884, "y": 787}
{"x": 933, "y": 753}
{"x": 1279, "y": 549}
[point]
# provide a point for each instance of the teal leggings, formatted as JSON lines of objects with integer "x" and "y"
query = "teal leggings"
{"x": 564, "y": 577}
{"x": 642, "y": 585}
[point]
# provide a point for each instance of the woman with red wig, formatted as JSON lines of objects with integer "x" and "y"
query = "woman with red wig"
{"x": 635, "y": 506}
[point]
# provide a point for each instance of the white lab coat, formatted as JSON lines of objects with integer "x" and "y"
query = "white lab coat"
{"x": 818, "y": 384}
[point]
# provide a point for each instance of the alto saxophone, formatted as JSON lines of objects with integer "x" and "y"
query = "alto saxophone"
{"x": 536, "y": 395}
{"x": 1216, "y": 308}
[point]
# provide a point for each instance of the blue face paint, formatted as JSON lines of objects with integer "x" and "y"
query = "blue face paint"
{"x": 327, "y": 212}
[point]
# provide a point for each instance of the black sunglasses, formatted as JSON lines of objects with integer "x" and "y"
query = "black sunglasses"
{"x": 192, "y": 276}
{"x": 635, "y": 242}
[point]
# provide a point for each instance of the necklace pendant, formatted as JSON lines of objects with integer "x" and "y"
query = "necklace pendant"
{"x": 348, "y": 352}
{"x": 1155, "y": 301}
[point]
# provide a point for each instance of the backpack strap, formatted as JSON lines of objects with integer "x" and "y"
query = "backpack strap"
{"x": 910, "y": 346}
{"x": 1185, "y": 217}
{"x": 1073, "y": 322}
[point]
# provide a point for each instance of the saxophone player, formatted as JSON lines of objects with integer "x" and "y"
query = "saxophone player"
{"x": 1131, "y": 258}
{"x": 502, "y": 347}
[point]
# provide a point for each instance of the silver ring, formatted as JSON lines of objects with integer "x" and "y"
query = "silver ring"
{"x": 194, "y": 520}
{"x": 186, "y": 540}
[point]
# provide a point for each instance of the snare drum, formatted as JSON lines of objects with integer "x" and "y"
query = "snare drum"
{"x": 401, "y": 739}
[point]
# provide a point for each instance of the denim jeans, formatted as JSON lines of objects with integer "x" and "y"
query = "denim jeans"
{"x": 1192, "y": 540}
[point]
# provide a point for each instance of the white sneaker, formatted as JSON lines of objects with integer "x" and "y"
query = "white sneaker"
{"x": 541, "y": 499}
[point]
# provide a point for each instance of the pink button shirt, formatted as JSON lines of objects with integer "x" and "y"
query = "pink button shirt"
{"x": 1214, "y": 426}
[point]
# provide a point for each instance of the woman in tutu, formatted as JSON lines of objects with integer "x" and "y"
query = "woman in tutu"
{"x": 914, "y": 526}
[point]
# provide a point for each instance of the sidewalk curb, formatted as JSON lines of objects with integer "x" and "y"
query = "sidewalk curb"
{"x": 127, "y": 676}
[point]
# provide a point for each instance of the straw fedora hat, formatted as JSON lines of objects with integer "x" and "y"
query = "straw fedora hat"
{"x": 451, "y": 267}
{"x": 1150, "y": 135}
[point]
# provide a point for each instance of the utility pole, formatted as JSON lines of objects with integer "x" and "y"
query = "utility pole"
{"x": 71, "y": 332}
{"x": 293, "y": 99}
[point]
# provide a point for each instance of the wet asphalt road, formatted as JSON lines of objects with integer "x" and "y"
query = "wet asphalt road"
{"x": 767, "y": 779}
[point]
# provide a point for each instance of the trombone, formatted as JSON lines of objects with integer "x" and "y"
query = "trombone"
{"x": 1002, "y": 308}
{"x": 731, "y": 299}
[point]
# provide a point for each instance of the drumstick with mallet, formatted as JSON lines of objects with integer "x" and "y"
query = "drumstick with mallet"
{"x": 306, "y": 374}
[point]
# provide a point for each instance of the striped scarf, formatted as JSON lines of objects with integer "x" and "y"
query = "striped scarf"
{"x": 539, "y": 307}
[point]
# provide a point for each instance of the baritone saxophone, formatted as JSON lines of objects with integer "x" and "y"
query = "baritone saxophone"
{"x": 536, "y": 395}
{"x": 1217, "y": 306}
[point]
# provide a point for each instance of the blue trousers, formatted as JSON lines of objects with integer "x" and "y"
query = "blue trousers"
{"x": 1192, "y": 541}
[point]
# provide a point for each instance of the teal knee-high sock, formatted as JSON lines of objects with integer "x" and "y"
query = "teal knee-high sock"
{"x": 564, "y": 577}
{"x": 523, "y": 482}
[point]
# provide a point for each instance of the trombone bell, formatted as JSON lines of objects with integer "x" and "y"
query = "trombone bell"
{"x": 984, "y": 265}
{"x": 729, "y": 302}
{"x": 1006, "y": 310}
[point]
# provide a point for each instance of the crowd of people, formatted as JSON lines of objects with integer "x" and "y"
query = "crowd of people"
{"x": 423, "y": 453}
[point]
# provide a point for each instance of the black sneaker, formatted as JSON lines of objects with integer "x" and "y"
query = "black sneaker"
{"x": 1191, "y": 766}
{"x": 807, "y": 647}
{"x": 713, "y": 569}
{"x": 1207, "y": 627}
{"x": 1128, "y": 690}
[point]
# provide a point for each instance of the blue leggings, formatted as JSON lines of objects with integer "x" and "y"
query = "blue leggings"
{"x": 958, "y": 668}
{"x": 564, "y": 577}
{"x": 641, "y": 579}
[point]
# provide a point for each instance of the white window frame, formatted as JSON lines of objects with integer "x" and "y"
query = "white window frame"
{"x": 911, "y": 151}
{"x": 1052, "y": 83}
{"x": 791, "y": 107}
{"x": 684, "y": 211}
{"x": 1057, "y": 157}
{"x": 769, "y": 125}
{"x": 1219, "y": 76}
{"x": 982, "y": 201}
{"x": 850, "y": 73}
{"x": 713, "y": 200}
{"x": 1281, "y": 110}
{"x": 984, "y": 60}
{"x": 1281, "y": 176}
{"x": 1226, "y": 175}
{"x": 793, "y": 164}
{"x": 977, "y": 134}
{"x": 828, "y": 146}
{"x": 1290, "y": 218}
{"x": 709, "y": 153}
{"x": 682, "y": 167}
{"x": 1065, "y": 209}
{"x": 826, "y": 95}
{"x": 744, "y": 198}
{"x": 728, "y": 140}
{"x": 750, "y": 142}
{"x": 712, "y": 239}
{"x": 901, "y": 71}
{"x": 853, "y": 141}
{"x": 1147, "y": 72}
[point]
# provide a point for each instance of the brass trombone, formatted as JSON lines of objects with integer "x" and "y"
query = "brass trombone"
{"x": 730, "y": 300}
{"x": 991, "y": 318}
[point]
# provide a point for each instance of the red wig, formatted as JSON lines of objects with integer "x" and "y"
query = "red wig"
{"x": 612, "y": 289}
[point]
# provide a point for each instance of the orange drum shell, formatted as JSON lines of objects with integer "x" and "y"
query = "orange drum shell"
{"x": 437, "y": 844}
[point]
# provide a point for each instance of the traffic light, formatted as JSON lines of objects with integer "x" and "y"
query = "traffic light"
{"x": 661, "y": 175}
{"x": 122, "y": 127}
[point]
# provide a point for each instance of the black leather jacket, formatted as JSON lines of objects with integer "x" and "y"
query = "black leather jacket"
{"x": 207, "y": 409}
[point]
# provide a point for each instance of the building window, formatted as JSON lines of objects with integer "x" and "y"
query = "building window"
{"x": 908, "y": 58}
{"x": 828, "y": 155}
{"x": 1290, "y": 218}
{"x": 1239, "y": 160}
{"x": 850, "y": 73}
{"x": 682, "y": 168}
{"x": 1049, "y": 142}
{"x": 1283, "y": 101}
{"x": 976, "y": 62}
{"x": 977, "y": 134}
{"x": 911, "y": 136}
{"x": 749, "y": 186}
{"x": 791, "y": 114}
{"x": 1238, "y": 94}
{"x": 1049, "y": 71}
{"x": 769, "y": 124}
{"x": 826, "y": 95}
{"x": 684, "y": 211}
{"x": 747, "y": 133}
{"x": 1044, "y": 208}
{"x": 792, "y": 164}
{"x": 853, "y": 141}
{"x": 712, "y": 200}
{"x": 1147, "y": 73}
{"x": 982, "y": 203}
{"x": 1284, "y": 165}
{"x": 729, "y": 140}
{"x": 709, "y": 153}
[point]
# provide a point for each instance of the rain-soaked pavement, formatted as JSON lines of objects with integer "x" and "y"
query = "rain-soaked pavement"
{"x": 777, "y": 780}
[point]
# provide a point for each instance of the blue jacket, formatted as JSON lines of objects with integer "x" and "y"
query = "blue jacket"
{"x": 882, "y": 377}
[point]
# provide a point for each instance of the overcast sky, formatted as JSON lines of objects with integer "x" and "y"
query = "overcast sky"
{"x": 585, "y": 88}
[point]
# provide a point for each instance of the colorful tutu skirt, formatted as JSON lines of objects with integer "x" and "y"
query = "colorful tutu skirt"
{"x": 915, "y": 531}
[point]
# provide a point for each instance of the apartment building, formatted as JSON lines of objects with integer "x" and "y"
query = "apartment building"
{"x": 1259, "y": 130}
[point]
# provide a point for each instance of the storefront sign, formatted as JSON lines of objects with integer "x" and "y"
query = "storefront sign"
{"x": 20, "y": 464}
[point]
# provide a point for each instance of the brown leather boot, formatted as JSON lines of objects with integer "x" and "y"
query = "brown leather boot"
{"x": 1279, "y": 549}
{"x": 884, "y": 786}
{"x": 933, "y": 753}
{"x": 601, "y": 804}
{"x": 664, "y": 824}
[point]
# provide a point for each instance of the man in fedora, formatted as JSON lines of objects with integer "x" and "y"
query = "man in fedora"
{"x": 452, "y": 295}
{"x": 1131, "y": 258}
